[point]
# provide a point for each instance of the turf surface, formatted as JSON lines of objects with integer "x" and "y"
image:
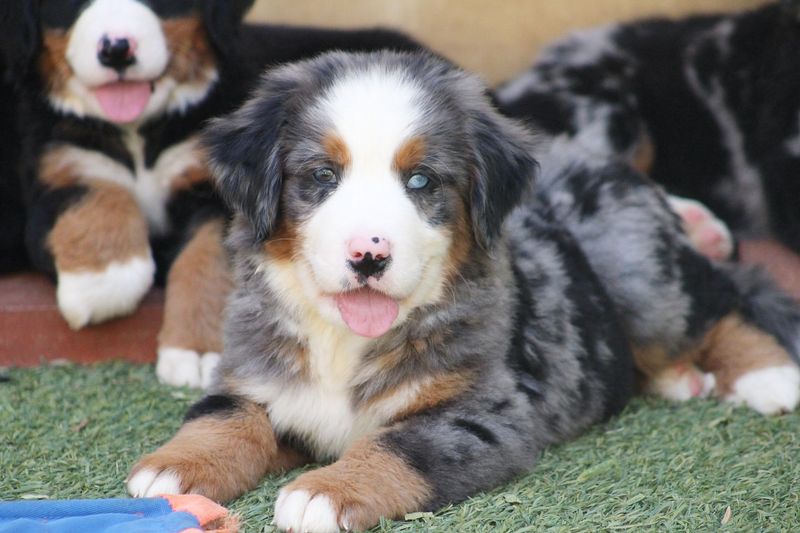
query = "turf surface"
{"x": 73, "y": 432}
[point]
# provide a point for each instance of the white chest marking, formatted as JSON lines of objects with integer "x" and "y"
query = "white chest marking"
{"x": 320, "y": 409}
{"x": 150, "y": 186}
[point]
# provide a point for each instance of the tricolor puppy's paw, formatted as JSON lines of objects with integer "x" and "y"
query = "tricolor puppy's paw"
{"x": 89, "y": 297}
{"x": 681, "y": 382}
{"x": 708, "y": 234}
{"x": 771, "y": 390}
{"x": 299, "y": 510}
{"x": 147, "y": 482}
{"x": 185, "y": 368}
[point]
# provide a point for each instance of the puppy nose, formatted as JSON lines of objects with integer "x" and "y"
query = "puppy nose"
{"x": 117, "y": 52}
{"x": 369, "y": 256}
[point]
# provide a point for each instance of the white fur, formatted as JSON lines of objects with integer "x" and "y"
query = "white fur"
{"x": 300, "y": 512}
{"x": 88, "y": 297}
{"x": 769, "y": 391}
{"x": 321, "y": 409}
{"x": 180, "y": 367}
{"x": 117, "y": 18}
{"x": 150, "y": 186}
{"x": 677, "y": 386}
{"x": 147, "y": 483}
{"x": 721, "y": 249}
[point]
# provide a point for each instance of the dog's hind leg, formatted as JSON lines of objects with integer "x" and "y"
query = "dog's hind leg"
{"x": 750, "y": 367}
{"x": 198, "y": 285}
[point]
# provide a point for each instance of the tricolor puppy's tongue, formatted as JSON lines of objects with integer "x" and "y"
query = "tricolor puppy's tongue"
{"x": 367, "y": 312}
{"x": 123, "y": 101}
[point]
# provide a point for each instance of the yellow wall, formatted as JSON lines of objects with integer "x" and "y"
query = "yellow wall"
{"x": 496, "y": 38}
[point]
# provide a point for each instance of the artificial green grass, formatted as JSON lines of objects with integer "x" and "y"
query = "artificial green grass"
{"x": 73, "y": 432}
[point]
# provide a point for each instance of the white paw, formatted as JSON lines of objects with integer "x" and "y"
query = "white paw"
{"x": 208, "y": 365}
{"x": 681, "y": 383}
{"x": 91, "y": 297}
{"x": 769, "y": 391}
{"x": 709, "y": 235}
{"x": 147, "y": 483}
{"x": 186, "y": 368}
{"x": 298, "y": 511}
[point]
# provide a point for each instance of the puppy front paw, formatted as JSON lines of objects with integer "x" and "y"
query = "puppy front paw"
{"x": 148, "y": 482}
{"x": 180, "y": 367}
{"x": 89, "y": 297}
{"x": 300, "y": 510}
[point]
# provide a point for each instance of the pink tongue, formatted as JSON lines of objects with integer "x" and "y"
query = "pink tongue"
{"x": 367, "y": 312}
{"x": 123, "y": 101}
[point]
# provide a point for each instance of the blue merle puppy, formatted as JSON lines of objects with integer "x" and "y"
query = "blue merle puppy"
{"x": 402, "y": 316}
{"x": 709, "y": 106}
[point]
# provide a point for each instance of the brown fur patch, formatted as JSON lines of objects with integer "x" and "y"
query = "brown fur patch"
{"x": 222, "y": 457}
{"x": 652, "y": 360}
{"x": 733, "y": 348}
{"x": 53, "y": 65}
{"x": 461, "y": 242}
{"x": 337, "y": 150}
{"x": 104, "y": 226}
{"x": 409, "y": 155}
{"x": 54, "y": 172}
{"x": 367, "y": 483}
{"x": 284, "y": 244}
{"x": 443, "y": 388}
{"x": 197, "y": 287}
{"x": 644, "y": 155}
{"x": 191, "y": 56}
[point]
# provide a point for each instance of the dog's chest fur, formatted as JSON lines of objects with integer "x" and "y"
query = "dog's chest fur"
{"x": 321, "y": 407}
{"x": 151, "y": 184}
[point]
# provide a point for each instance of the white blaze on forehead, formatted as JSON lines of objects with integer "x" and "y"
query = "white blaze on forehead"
{"x": 373, "y": 112}
{"x": 117, "y": 18}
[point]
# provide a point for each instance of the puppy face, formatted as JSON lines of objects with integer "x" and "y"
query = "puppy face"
{"x": 363, "y": 176}
{"x": 125, "y": 61}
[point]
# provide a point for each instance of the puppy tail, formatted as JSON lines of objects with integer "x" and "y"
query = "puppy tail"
{"x": 767, "y": 307}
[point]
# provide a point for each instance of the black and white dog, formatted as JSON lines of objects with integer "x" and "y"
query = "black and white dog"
{"x": 111, "y": 95}
{"x": 709, "y": 106}
{"x": 406, "y": 307}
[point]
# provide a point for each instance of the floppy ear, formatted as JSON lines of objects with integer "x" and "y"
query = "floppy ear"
{"x": 245, "y": 157}
{"x": 504, "y": 170}
{"x": 19, "y": 36}
{"x": 222, "y": 19}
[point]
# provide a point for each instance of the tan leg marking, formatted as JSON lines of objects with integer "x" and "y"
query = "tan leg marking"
{"x": 191, "y": 56}
{"x": 105, "y": 225}
{"x": 734, "y": 348}
{"x": 221, "y": 457}
{"x": 367, "y": 483}
{"x": 198, "y": 285}
{"x": 644, "y": 155}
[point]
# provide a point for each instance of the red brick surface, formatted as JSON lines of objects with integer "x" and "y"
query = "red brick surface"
{"x": 33, "y": 332}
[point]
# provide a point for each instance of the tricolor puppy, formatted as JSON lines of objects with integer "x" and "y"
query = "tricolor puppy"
{"x": 396, "y": 311}
{"x": 708, "y": 105}
{"x": 113, "y": 95}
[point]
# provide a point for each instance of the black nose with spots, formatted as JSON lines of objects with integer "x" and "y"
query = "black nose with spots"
{"x": 370, "y": 265}
{"x": 116, "y": 53}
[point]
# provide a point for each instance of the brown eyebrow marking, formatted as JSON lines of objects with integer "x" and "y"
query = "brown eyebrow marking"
{"x": 337, "y": 150}
{"x": 409, "y": 155}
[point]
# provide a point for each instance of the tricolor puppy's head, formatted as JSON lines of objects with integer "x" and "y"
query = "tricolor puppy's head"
{"x": 368, "y": 180}
{"x": 123, "y": 61}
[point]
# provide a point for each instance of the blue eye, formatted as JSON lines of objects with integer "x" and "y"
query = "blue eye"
{"x": 325, "y": 176}
{"x": 418, "y": 181}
